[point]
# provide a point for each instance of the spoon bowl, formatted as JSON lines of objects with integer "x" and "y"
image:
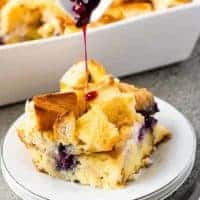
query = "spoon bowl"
{"x": 96, "y": 14}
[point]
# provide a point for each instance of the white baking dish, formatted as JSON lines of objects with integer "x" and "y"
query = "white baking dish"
{"x": 125, "y": 47}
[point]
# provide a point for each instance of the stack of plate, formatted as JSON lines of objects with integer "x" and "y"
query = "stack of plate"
{"x": 173, "y": 163}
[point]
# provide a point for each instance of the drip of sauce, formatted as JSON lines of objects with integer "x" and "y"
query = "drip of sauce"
{"x": 91, "y": 95}
{"x": 82, "y": 10}
{"x": 85, "y": 48}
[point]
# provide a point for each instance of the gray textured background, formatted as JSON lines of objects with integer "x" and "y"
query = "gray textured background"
{"x": 179, "y": 84}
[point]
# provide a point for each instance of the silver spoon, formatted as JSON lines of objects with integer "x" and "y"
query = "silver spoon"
{"x": 96, "y": 14}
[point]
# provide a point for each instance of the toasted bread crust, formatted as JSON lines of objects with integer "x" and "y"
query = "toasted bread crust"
{"x": 48, "y": 107}
{"x": 58, "y": 102}
{"x": 143, "y": 97}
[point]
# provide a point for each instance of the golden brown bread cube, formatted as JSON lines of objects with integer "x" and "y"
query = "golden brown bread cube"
{"x": 163, "y": 4}
{"x": 48, "y": 107}
{"x": 96, "y": 71}
{"x": 144, "y": 98}
{"x": 96, "y": 132}
{"x": 120, "y": 110}
{"x": 76, "y": 77}
{"x": 135, "y": 9}
{"x": 64, "y": 129}
{"x": 2, "y": 3}
{"x": 106, "y": 85}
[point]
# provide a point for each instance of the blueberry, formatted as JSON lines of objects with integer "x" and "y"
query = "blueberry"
{"x": 61, "y": 148}
{"x": 147, "y": 127}
{"x": 65, "y": 160}
{"x": 151, "y": 110}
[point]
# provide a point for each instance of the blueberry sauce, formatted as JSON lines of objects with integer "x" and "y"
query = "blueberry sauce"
{"x": 147, "y": 127}
{"x": 82, "y": 10}
{"x": 85, "y": 49}
{"x": 65, "y": 160}
{"x": 150, "y": 110}
{"x": 91, "y": 95}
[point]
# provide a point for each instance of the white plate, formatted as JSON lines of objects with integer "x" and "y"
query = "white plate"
{"x": 160, "y": 195}
{"x": 171, "y": 188}
{"x": 172, "y": 162}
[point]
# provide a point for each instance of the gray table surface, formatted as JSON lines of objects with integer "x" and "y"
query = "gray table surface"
{"x": 179, "y": 84}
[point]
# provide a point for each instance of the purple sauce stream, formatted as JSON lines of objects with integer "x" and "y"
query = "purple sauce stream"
{"x": 82, "y": 10}
{"x": 85, "y": 49}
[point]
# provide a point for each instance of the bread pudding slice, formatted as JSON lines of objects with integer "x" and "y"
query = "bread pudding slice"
{"x": 96, "y": 131}
{"x": 110, "y": 169}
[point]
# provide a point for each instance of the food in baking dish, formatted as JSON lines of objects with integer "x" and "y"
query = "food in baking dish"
{"x": 22, "y": 20}
{"x": 96, "y": 130}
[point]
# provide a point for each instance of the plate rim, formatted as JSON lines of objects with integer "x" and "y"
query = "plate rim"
{"x": 167, "y": 192}
{"x": 194, "y": 136}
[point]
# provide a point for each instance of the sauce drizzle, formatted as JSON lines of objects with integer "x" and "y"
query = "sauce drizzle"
{"x": 82, "y": 10}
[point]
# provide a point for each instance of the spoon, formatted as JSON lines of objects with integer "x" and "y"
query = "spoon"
{"x": 96, "y": 14}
